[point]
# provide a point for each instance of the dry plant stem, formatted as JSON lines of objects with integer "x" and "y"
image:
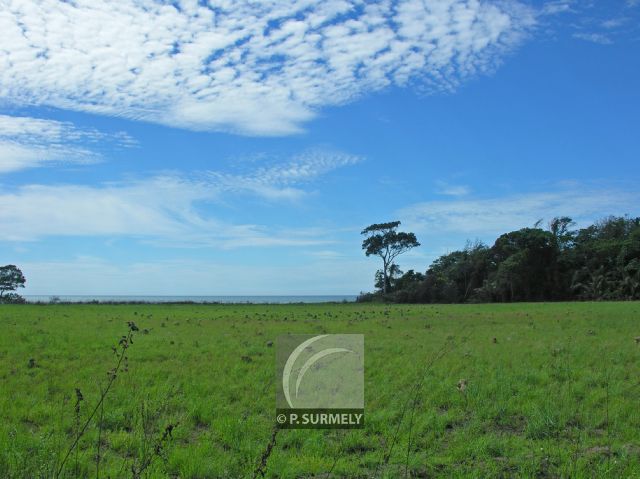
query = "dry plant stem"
{"x": 608, "y": 429}
{"x": 79, "y": 399}
{"x": 112, "y": 377}
{"x": 262, "y": 467}
{"x": 335, "y": 461}
{"x": 444, "y": 350}
{"x": 99, "y": 438}
{"x": 406, "y": 463}
{"x": 384, "y": 460}
{"x": 157, "y": 450}
{"x": 59, "y": 440}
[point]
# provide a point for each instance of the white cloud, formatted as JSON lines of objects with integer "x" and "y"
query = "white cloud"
{"x": 594, "y": 38}
{"x": 156, "y": 207}
{"x": 27, "y": 142}
{"x": 558, "y": 6}
{"x": 614, "y": 22}
{"x": 250, "y": 67}
{"x": 604, "y": 23}
{"x": 279, "y": 181}
{"x": 493, "y": 216}
{"x": 327, "y": 254}
{"x": 447, "y": 189}
{"x": 164, "y": 208}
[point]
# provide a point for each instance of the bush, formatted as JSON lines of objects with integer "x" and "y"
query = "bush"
{"x": 12, "y": 298}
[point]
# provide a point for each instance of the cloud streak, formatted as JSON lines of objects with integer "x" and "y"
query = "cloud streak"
{"x": 444, "y": 188}
{"x": 493, "y": 216}
{"x": 596, "y": 22}
{"x": 260, "y": 68}
{"x": 281, "y": 182}
{"x": 166, "y": 209}
{"x": 163, "y": 210}
{"x": 599, "y": 38}
{"x": 27, "y": 142}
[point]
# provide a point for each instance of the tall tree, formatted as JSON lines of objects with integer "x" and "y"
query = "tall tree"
{"x": 560, "y": 227}
{"x": 11, "y": 278}
{"x": 384, "y": 241}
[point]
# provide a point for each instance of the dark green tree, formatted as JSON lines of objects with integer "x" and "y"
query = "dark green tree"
{"x": 408, "y": 280}
{"x": 605, "y": 258}
{"x": 11, "y": 278}
{"x": 526, "y": 262}
{"x": 560, "y": 228}
{"x": 454, "y": 277}
{"x": 384, "y": 241}
{"x": 394, "y": 275}
{"x": 597, "y": 262}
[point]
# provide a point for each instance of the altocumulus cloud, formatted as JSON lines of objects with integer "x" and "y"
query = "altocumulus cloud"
{"x": 249, "y": 67}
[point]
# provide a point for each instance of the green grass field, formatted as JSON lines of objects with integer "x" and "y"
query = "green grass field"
{"x": 555, "y": 394}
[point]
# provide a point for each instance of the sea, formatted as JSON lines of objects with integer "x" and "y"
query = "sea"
{"x": 191, "y": 299}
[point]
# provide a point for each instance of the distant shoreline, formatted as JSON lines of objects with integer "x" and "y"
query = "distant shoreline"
{"x": 168, "y": 300}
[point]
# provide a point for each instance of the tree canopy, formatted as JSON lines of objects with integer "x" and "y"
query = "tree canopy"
{"x": 384, "y": 241}
{"x": 11, "y": 278}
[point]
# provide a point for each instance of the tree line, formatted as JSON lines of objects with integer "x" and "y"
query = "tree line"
{"x": 553, "y": 263}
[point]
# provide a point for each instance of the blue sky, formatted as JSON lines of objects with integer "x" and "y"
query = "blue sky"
{"x": 224, "y": 148}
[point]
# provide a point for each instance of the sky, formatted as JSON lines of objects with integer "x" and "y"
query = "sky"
{"x": 220, "y": 148}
